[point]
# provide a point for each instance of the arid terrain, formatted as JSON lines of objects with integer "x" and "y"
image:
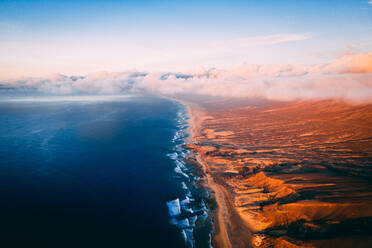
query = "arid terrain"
{"x": 286, "y": 174}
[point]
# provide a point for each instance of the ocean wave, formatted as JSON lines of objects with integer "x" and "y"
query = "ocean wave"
{"x": 188, "y": 212}
{"x": 174, "y": 207}
{"x": 184, "y": 186}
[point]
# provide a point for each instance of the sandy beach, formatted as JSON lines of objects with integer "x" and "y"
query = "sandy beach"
{"x": 225, "y": 216}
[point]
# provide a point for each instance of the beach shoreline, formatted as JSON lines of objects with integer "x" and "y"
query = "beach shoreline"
{"x": 226, "y": 220}
{"x": 220, "y": 236}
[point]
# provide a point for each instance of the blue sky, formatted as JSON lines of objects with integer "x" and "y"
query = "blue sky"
{"x": 79, "y": 37}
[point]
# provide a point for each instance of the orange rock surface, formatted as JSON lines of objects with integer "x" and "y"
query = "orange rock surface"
{"x": 288, "y": 174}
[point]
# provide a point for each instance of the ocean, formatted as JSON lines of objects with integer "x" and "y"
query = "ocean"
{"x": 98, "y": 172}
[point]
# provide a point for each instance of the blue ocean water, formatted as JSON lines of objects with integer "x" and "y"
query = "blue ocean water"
{"x": 98, "y": 174}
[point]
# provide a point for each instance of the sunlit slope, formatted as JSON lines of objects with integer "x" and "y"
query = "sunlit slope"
{"x": 299, "y": 171}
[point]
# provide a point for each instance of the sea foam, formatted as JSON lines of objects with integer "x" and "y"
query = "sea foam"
{"x": 185, "y": 211}
{"x": 174, "y": 207}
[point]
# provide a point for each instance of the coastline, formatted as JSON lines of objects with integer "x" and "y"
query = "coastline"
{"x": 229, "y": 228}
{"x": 220, "y": 236}
{"x": 188, "y": 209}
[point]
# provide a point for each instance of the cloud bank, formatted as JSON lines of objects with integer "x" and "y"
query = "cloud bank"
{"x": 348, "y": 78}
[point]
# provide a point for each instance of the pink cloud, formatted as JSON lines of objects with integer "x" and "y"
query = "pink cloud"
{"x": 348, "y": 78}
{"x": 355, "y": 63}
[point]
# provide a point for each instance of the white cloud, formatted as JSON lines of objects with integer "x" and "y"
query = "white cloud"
{"x": 89, "y": 98}
{"x": 269, "y": 39}
{"x": 348, "y": 78}
{"x": 258, "y": 41}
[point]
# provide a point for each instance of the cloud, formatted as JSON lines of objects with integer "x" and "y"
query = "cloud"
{"x": 276, "y": 39}
{"x": 348, "y": 78}
{"x": 260, "y": 40}
{"x": 370, "y": 2}
{"x": 356, "y": 63}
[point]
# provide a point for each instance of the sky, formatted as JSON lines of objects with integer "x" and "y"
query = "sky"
{"x": 39, "y": 38}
